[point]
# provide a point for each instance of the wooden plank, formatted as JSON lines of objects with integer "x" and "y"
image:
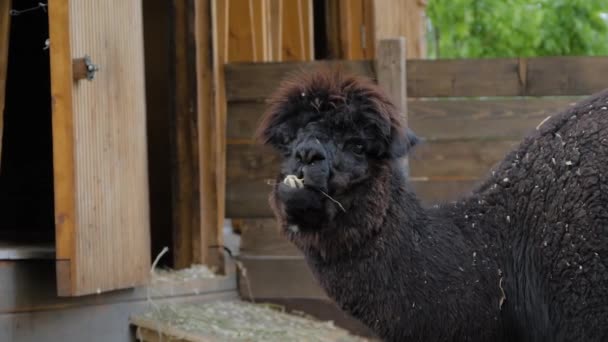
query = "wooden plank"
{"x": 244, "y": 37}
{"x": 274, "y": 22}
{"x": 442, "y": 191}
{"x": 297, "y": 31}
{"x": 401, "y": 18}
{"x": 564, "y": 75}
{"x": 148, "y": 330}
{"x": 438, "y": 120}
{"x": 445, "y": 78}
{"x": 391, "y": 75}
{"x": 249, "y": 199}
{"x": 241, "y": 87}
{"x": 278, "y": 278}
{"x": 184, "y": 140}
{"x": 436, "y": 159}
{"x": 5, "y": 27}
{"x": 63, "y": 134}
{"x": 263, "y": 237}
{"x": 509, "y": 119}
{"x": 215, "y": 161}
{"x": 211, "y": 203}
{"x": 152, "y": 335}
{"x": 464, "y": 77}
{"x": 324, "y": 310}
{"x": 391, "y": 72}
{"x": 458, "y": 159}
{"x": 356, "y": 38}
{"x": 102, "y": 181}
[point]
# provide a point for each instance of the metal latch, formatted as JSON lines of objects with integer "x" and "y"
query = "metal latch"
{"x": 84, "y": 68}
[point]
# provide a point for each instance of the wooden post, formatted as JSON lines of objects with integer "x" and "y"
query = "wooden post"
{"x": 5, "y": 27}
{"x": 391, "y": 73}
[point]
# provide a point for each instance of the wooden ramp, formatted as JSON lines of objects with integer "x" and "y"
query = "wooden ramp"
{"x": 233, "y": 321}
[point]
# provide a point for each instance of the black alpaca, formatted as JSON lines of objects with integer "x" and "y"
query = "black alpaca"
{"x": 522, "y": 258}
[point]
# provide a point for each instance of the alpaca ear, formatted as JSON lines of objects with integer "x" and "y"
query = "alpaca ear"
{"x": 402, "y": 143}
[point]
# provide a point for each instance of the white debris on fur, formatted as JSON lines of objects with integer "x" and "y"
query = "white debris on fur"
{"x": 242, "y": 321}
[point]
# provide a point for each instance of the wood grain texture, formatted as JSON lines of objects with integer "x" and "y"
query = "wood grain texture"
{"x": 184, "y": 139}
{"x": 401, "y": 18}
{"x": 263, "y": 237}
{"x": 210, "y": 156}
{"x": 63, "y": 134}
{"x": 355, "y": 31}
{"x": 446, "y": 78}
{"x": 391, "y": 76}
{"x": 391, "y": 71}
{"x": 278, "y": 278}
{"x": 103, "y": 181}
{"x": 437, "y": 120}
{"x": 296, "y": 30}
{"x": 458, "y": 159}
{"x": 267, "y": 76}
{"x": 5, "y": 26}
{"x": 214, "y": 163}
{"x": 436, "y": 159}
{"x": 249, "y": 199}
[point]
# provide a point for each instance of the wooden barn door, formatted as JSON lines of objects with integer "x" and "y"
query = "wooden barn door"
{"x": 99, "y": 145}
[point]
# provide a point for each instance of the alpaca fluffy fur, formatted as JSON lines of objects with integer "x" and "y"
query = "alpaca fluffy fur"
{"x": 524, "y": 257}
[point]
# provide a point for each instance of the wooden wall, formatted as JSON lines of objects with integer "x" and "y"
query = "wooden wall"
{"x": 470, "y": 113}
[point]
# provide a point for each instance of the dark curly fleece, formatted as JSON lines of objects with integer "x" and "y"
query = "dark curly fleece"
{"x": 522, "y": 258}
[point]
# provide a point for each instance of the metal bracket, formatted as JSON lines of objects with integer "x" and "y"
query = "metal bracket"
{"x": 84, "y": 68}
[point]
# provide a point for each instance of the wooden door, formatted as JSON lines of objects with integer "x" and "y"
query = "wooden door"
{"x": 99, "y": 146}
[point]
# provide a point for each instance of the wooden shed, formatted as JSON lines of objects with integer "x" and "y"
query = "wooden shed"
{"x": 127, "y": 127}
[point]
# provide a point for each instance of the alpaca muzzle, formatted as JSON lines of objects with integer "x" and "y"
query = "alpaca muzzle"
{"x": 313, "y": 164}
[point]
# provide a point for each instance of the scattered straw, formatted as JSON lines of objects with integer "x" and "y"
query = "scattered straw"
{"x": 542, "y": 122}
{"x": 242, "y": 321}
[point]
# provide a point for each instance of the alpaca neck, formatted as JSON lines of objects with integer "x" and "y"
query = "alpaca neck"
{"x": 417, "y": 264}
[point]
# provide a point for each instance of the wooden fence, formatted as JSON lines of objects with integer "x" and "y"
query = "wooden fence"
{"x": 470, "y": 111}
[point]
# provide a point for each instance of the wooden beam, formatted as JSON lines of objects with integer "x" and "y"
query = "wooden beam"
{"x": 437, "y": 120}
{"x": 63, "y": 148}
{"x": 186, "y": 213}
{"x": 470, "y": 159}
{"x": 210, "y": 139}
{"x": 249, "y": 199}
{"x": 391, "y": 75}
{"x": 542, "y": 76}
{"x": 5, "y": 27}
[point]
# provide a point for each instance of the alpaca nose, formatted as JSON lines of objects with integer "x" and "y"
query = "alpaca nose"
{"x": 309, "y": 154}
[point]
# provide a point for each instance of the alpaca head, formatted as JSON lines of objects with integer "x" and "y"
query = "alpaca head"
{"x": 332, "y": 131}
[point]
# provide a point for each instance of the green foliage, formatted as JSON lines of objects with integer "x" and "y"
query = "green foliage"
{"x": 513, "y": 28}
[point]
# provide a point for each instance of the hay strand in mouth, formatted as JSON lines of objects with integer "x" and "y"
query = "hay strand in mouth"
{"x": 332, "y": 199}
{"x": 274, "y": 182}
